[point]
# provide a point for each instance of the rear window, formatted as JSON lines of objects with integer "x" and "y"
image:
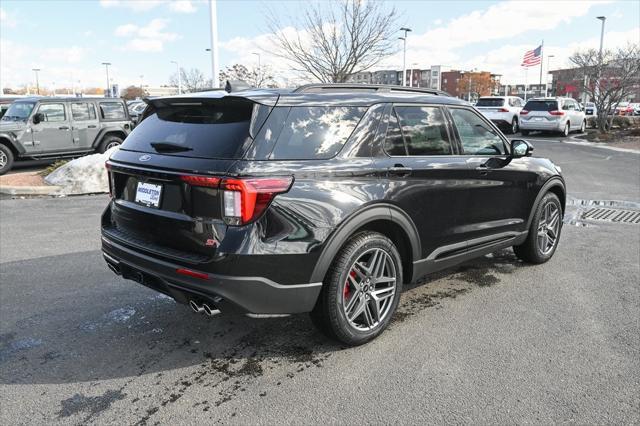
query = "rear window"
{"x": 212, "y": 130}
{"x": 541, "y": 106}
{"x": 490, "y": 102}
{"x": 314, "y": 133}
{"x": 112, "y": 111}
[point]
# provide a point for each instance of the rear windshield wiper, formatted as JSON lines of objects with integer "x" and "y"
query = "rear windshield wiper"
{"x": 169, "y": 147}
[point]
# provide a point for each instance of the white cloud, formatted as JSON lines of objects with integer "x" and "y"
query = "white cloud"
{"x": 182, "y": 6}
{"x": 6, "y": 19}
{"x": 149, "y": 38}
{"x": 70, "y": 55}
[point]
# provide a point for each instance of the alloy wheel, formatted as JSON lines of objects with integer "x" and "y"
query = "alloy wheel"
{"x": 369, "y": 290}
{"x": 111, "y": 145}
{"x": 514, "y": 126}
{"x": 548, "y": 227}
{"x": 3, "y": 159}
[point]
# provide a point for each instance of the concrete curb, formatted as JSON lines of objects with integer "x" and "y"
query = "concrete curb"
{"x": 601, "y": 145}
{"x": 30, "y": 190}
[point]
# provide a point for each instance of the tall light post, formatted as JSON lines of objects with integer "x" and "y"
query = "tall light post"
{"x": 179, "y": 77}
{"x": 36, "y": 70}
{"x": 213, "y": 15}
{"x": 404, "y": 54}
{"x": 546, "y": 83}
{"x": 597, "y": 89}
{"x": 107, "y": 93}
{"x": 141, "y": 81}
{"x": 259, "y": 69}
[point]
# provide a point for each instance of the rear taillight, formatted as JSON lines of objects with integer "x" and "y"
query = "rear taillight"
{"x": 111, "y": 182}
{"x": 524, "y": 112}
{"x": 245, "y": 199}
{"x": 503, "y": 110}
{"x": 208, "y": 181}
{"x": 556, "y": 112}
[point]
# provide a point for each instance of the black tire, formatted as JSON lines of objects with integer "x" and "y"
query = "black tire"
{"x": 583, "y": 128}
{"x": 6, "y": 159}
{"x": 329, "y": 315}
{"x": 524, "y": 132}
{"x": 514, "y": 127}
{"x": 567, "y": 129}
{"x": 108, "y": 142}
{"x": 531, "y": 251}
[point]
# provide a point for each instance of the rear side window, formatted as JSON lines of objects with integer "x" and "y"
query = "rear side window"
{"x": 490, "y": 102}
{"x": 315, "y": 133}
{"x": 476, "y": 136}
{"x": 83, "y": 112}
{"x": 541, "y": 106}
{"x": 112, "y": 111}
{"x": 423, "y": 131}
{"x": 211, "y": 130}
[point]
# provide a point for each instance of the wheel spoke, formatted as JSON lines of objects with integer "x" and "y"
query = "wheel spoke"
{"x": 352, "y": 302}
{"x": 353, "y": 281}
{"x": 368, "y": 315}
{"x": 359, "y": 308}
{"x": 360, "y": 270}
{"x": 383, "y": 280}
{"x": 383, "y": 293}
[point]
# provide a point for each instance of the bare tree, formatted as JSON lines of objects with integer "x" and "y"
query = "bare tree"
{"x": 257, "y": 77}
{"x": 608, "y": 80}
{"x": 192, "y": 80}
{"x": 331, "y": 42}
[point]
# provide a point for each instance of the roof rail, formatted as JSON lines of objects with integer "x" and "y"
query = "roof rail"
{"x": 321, "y": 87}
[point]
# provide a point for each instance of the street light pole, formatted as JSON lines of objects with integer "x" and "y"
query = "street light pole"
{"x": 259, "y": 69}
{"x": 213, "y": 15}
{"x": 179, "y": 77}
{"x": 35, "y": 70}
{"x": 597, "y": 89}
{"x": 108, "y": 91}
{"x": 404, "y": 55}
{"x": 546, "y": 83}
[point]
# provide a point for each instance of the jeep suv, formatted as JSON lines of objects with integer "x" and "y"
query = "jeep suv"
{"x": 325, "y": 199}
{"x": 47, "y": 128}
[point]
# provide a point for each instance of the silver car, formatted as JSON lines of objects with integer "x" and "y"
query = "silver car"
{"x": 558, "y": 114}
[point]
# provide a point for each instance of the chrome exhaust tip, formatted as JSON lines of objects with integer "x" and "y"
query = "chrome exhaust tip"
{"x": 210, "y": 311}
{"x": 195, "y": 307}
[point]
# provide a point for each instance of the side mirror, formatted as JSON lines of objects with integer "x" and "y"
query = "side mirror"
{"x": 38, "y": 117}
{"x": 521, "y": 148}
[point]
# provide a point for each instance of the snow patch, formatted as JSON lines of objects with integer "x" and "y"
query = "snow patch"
{"x": 83, "y": 175}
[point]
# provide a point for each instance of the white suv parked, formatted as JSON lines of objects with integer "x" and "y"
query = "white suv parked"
{"x": 562, "y": 115}
{"x": 502, "y": 110}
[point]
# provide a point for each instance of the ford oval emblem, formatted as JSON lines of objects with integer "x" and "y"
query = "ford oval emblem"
{"x": 145, "y": 157}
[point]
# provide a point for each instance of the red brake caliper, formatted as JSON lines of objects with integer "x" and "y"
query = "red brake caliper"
{"x": 347, "y": 288}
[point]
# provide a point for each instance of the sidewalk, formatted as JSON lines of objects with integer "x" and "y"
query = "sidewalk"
{"x": 26, "y": 183}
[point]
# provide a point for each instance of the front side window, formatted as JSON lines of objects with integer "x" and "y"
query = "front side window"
{"x": 423, "y": 132}
{"x": 476, "y": 136}
{"x": 313, "y": 133}
{"x": 112, "y": 111}
{"x": 83, "y": 112}
{"x": 52, "y": 112}
{"x": 18, "y": 111}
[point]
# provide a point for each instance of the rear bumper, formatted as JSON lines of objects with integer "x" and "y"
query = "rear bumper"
{"x": 256, "y": 295}
{"x": 556, "y": 126}
{"x": 501, "y": 122}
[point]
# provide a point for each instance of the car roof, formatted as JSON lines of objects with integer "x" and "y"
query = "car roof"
{"x": 335, "y": 97}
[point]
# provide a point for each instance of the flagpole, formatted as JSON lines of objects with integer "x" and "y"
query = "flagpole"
{"x": 526, "y": 80}
{"x": 541, "y": 62}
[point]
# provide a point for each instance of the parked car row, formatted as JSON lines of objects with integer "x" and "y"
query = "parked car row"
{"x": 48, "y": 128}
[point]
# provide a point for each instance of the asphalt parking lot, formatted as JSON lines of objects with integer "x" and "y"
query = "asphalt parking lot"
{"x": 492, "y": 341}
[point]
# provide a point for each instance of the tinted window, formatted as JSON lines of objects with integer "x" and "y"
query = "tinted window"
{"x": 541, "y": 106}
{"x": 112, "y": 111}
{"x": 52, "y": 112}
{"x": 211, "y": 130}
{"x": 316, "y": 132}
{"x": 490, "y": 102}
{"x": 476, "y": 136}
{"x": 424, "y": 130}
{"x": 394, "y": 144}
{"x": 19, "y": 111}
{"x": 83, "y": 112}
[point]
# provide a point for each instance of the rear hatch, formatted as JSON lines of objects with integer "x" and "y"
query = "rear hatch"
{"x": 491, "y": 105}
{"x": 543, "y": 110}
{"x": 165, "y": 179}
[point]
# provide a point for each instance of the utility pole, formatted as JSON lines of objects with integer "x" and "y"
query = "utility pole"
{"x": 107, "y": 93}
{"x": 259, "y": 70}
{"x": 546, "y": 83}
{"x": 36, "y": 70}
{"x": 213, "y": 14}
{"x": 179, "y": 76}
{"x": 597, "y": 88}
{"x": 404, "y": 54}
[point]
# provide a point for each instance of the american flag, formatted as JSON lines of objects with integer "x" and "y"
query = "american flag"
{"x": 532, "y": 57}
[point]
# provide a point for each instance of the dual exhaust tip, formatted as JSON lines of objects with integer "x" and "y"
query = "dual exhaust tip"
{"x": 204, "y": 307}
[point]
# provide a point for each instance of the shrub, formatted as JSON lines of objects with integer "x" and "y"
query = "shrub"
{"x": 52, "y": 167}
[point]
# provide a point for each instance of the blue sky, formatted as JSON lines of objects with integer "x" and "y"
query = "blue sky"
{"x": 69, "y": 39}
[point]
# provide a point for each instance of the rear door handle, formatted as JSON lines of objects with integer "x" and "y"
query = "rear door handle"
{"x": 63, "y": 128}
{"x": 399, "y": 170}
{"x": 92, "y": 126}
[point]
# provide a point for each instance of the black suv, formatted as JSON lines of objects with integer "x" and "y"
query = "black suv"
{"x": 323, "y": 199}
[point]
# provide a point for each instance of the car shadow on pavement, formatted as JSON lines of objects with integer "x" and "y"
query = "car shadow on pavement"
{"x": 110, "y": 328}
